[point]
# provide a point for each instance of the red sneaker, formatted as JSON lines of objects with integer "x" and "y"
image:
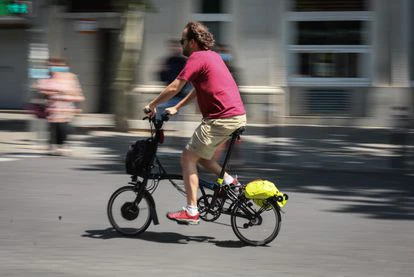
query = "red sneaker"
{"x": 183, "y": 217}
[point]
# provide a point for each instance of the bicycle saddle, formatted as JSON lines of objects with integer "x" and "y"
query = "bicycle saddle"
{"x": 238, "y": 132}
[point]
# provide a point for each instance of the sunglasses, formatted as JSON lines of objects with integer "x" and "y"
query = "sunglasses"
{"x": 182, "y": 41}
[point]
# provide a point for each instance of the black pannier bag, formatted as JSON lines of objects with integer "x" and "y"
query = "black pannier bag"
{"x": 138, "y": 157}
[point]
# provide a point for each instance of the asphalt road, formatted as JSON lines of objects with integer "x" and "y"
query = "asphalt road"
{"x": 53, "y": 223}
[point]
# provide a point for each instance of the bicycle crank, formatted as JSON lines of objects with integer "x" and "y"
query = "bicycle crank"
{"x": 206, "y": 210}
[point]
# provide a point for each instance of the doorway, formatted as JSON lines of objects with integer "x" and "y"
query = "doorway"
{"x": 107, "y": 39}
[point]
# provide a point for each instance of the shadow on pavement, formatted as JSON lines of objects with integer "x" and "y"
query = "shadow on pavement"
{"x": 163, "y": 237}
{"x": 108, "y": 233}
{"x": 230, "y": 244}
{"x": 170, "y": 237}
{"x": 377, "y": 196}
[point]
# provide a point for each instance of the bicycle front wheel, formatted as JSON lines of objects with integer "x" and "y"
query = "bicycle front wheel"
{"x": 254, "y": 224}
{"x": 129, "y": 213}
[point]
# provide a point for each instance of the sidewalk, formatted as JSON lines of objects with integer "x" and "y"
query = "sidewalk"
{"x": 307, "y": 147}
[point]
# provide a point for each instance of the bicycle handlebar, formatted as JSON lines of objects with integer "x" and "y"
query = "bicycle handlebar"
{"x": 158, "y": 122}
{"x": 147, "y": 111}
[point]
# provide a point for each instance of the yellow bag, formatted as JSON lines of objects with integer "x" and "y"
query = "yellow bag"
{"x": 259, "y": 190}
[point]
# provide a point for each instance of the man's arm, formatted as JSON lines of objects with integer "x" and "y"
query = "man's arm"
{"x": 172, "y": 89}
{"x": 187, "y": 99}
{"x": 190, "y": 96}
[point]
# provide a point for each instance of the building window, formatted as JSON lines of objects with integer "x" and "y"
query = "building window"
{"x": 330, "y": 33}
{"x": 342, "y": 65}
{"x": 328, "y": 42}
{"x": 91, "y": 6}
{"x": 215, "y": 15}
{"x": 211, "y": 6}
{"x": 330, "y": 5}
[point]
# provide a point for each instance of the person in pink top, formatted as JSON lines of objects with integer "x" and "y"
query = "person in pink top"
{"x": 62, "y": 91}
{"x": 220, "y": 104}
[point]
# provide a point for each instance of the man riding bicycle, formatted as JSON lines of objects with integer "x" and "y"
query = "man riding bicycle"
{"x": 220, "y": 104}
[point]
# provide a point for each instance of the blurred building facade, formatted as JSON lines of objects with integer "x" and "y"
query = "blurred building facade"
{"x": 305, "y": 62}
{"x": 14, "y": 41}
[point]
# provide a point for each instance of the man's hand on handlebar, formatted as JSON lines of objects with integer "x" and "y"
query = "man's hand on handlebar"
{"x": 171, "y": 110}
{"x": 150, "y": 111}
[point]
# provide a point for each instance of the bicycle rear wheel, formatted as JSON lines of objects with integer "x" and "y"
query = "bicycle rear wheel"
{"x": 127, "y": 214}
{"x": 255, "y": 225}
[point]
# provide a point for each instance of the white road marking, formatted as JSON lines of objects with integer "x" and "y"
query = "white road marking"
{"x": 7, "y": 159}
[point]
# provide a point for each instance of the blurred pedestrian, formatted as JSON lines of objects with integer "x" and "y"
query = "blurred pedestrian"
{"x": 226, "y": 54}
{"x": 171, "y": 67}
{"x": 62, "y": 91}
{"x": 37, "y": 104}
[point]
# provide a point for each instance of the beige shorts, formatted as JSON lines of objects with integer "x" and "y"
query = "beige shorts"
{"x": 213, "y": 132}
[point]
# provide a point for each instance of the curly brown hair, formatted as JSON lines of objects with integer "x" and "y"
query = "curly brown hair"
{"x": 201, "y": 35}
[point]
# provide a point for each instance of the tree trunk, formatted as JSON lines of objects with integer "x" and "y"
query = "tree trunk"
{"x": 131, "y": 38}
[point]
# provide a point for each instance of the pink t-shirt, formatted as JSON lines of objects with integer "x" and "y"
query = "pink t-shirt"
{"x": 217, "y": 93}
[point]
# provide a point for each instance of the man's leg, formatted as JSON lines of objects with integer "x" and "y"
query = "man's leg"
{"x": 190, "y": 214}
{"x": 190, "y": 176}
{"x": 213, "y": 166}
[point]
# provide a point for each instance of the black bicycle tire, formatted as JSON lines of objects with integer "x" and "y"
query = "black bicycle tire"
{"x": 265, "y": 241}
{"x": 145, "y": 197}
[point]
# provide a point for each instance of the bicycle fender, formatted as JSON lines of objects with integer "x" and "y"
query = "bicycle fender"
{"x": 153, "y": 210}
